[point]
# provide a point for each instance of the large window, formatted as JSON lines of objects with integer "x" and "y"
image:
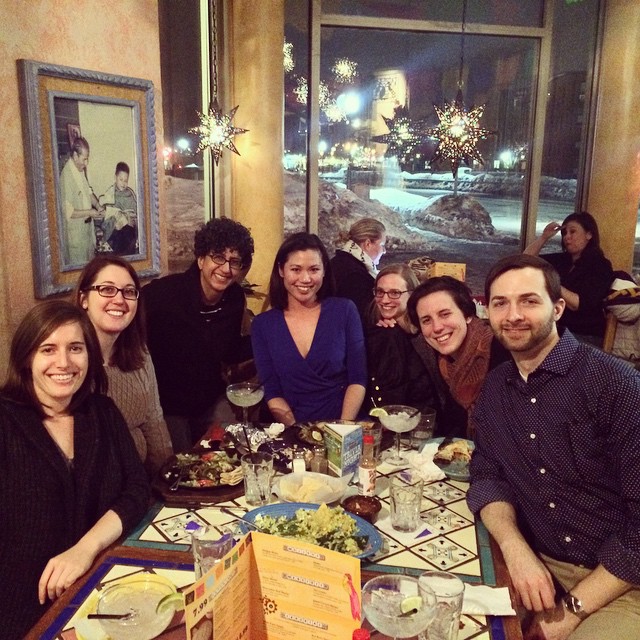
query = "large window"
{"x": 383, "y": 66}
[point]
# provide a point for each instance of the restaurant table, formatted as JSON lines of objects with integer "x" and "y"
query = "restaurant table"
{"x": 449, "y": 539}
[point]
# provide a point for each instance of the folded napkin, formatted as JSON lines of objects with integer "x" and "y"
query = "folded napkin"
{"x": 422, "y": 462}
{"x": 481, "y": 600}
{"x": 274, "y": 429}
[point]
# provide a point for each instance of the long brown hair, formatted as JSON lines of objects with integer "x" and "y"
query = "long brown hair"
{"x": 130, "y": 347}
{"x": 37, "y": 325}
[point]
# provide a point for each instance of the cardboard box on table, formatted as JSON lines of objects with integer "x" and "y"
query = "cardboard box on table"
{"x": 344, "y": 447}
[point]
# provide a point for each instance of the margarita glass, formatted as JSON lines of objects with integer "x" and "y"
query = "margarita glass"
{"x": 245, "y": 395}
{"x": 398, "y": 418}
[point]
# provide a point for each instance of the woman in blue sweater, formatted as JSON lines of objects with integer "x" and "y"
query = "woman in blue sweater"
{"x": 309, "y": 348}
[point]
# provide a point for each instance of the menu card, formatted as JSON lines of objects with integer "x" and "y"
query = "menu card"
{"x": 273, "y": 588}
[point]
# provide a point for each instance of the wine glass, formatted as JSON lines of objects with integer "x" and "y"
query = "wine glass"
{"x": 400, "y": 419}
{"x": 245, "y": 395}
{"x": 398, "y": 606}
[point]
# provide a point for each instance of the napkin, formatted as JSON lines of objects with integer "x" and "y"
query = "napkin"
{"x": 274, "y": 429}
{"x": 422, "y": 462}
{"x": 481, "y": 600}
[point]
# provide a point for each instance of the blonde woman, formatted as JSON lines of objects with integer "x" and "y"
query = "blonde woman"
{"x": 355, "y": 265}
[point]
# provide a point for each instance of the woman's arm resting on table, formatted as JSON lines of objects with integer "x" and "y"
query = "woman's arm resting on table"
{"x": 63, "y": 570}
{"x": 353, "y": 397}
{"x": 595, "y": 591}
{"x": 531, "y": 579}
{"x": 281, "y": 411}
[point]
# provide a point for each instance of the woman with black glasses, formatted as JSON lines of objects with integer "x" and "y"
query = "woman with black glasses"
{"x": 108, "y": 290}
{"x": 401, "y": 369}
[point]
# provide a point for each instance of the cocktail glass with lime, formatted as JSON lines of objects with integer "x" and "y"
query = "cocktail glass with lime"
{"x": 245, "y": 395}
{"x": 398, "y": 418}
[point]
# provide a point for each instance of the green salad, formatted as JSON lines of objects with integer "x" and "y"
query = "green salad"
{"x": 327, "y": 527}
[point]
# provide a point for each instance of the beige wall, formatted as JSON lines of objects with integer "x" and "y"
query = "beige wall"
{"x": 119, "y": 38}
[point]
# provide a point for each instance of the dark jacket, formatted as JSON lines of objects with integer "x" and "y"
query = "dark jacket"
{"x": 45, "y": 508}
{"x": 590, "y": 277}
{"x": 187, "y": 346}
{"x": 353, "y": 281}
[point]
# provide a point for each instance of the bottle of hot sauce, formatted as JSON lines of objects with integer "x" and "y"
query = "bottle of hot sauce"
{"x": 367, "y": 468}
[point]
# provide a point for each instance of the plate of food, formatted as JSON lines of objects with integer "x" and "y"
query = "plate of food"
{"x": 308, "y": 522}
{"x": 202, "y": 470}
{"x": 312, "y": 487}
{"x": 453, "y": 457}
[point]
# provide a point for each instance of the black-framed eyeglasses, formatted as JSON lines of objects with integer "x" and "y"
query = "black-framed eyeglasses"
{"x": 234, "y": 263}
{"x": 111, "y": 291}
{"x": 393, "y": 294}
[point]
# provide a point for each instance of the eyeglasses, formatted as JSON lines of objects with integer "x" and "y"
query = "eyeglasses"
{"x": 393, "y": 294}
{"x": 234, "y": 263}
{"x": 111, "y": 291}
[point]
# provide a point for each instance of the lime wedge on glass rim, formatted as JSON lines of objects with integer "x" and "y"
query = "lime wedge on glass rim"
{"x": 172, "y": 602}
{"x": 411, "y": 604}
{"x": 376, "y": 412}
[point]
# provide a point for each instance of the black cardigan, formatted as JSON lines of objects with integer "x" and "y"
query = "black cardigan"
{"x": 353, "y": 281}
{"x": 45, "y": 508}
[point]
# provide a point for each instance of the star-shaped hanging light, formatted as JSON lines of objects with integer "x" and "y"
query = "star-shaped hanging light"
{"x": 345, "y": 70}
{"x": 403, "y": 137}
{"x": 457, "y": 133}
{"x": 217, "y": 131}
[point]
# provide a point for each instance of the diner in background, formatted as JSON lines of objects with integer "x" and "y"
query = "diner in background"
{"x": 355, "y": 263}
{"x": 108, "y": 290}
{"x": 309, "y": 347}
{"x": 194, "y": 327}
{"x": 72, "y": 481}
{"x": 402, "y": 368}
{"x": 444, "y": 311}
{"x": 585, "y": 274}
{"x": 555, "y": 475}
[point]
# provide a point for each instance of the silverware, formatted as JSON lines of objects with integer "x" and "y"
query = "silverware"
{"x": 247, "y": 522}
{"x": 181, "y": 476}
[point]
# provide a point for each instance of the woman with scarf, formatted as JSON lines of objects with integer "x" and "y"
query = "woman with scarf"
{"x": 355, "y": 265}
{"x": 444, "y": 311}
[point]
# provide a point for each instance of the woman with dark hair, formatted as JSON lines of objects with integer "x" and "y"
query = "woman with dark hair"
{"x": 585, "y": 274}
{"x": 71, "y": 480}
{"x": 108, "y": 290}
{"x": 309, "y": 348}
{"x": 444, "y": 311}
{"x": 355, "y": 264}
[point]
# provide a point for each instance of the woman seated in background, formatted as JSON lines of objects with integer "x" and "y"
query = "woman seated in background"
{"x": 355, "y": 264}
{"x": 585, "y": 274}
{"x": 71, "y": 479}
{"x": 108, "y": 291}
{"x": 444, "y": 311}
{"x": 309, "y": 348}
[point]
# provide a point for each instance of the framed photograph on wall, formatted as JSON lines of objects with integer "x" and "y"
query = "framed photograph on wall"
{"x": 92, "y": 171}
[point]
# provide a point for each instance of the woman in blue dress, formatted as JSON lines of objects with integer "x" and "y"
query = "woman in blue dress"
{"x": 309, "y": 347}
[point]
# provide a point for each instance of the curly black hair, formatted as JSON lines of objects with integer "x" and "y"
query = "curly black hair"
{"x": 223, "y": 233}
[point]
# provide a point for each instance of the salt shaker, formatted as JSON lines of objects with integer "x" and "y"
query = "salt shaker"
{"x": 319, "y": 460}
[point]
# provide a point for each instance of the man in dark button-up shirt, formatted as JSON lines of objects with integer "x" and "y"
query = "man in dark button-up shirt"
{"x": 556, "y": 470}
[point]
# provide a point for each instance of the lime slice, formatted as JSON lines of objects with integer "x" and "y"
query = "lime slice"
{"x": 411, "y": 604}
{"x": 376, "y": 412}
{"x": 172, "y": 602}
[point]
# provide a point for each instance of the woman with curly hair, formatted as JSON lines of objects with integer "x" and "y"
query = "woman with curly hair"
{"x": 194, "y": 322}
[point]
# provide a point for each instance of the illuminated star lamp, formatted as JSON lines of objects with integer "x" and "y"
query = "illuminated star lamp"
{"x": 216, "y": 129}
{"x": 345, "y": 70}
{"x": 403, "y": 136}
{"x": 457, "y": 133}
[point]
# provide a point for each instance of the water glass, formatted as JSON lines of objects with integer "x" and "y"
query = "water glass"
{"x": 209, "y": 545}
{"x": 424, "y": 431}
{"x": 258, "y": 472}
{"x": 449, "y": 590}
{"x": 374, "y": 429}
{"x": 406, "y": 499}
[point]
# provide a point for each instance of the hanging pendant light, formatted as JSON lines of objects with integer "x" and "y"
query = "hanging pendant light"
{"x": 458, "y": 130}
{"x": 216, "y": 129}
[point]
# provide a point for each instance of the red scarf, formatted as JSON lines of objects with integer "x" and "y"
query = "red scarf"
{"x": 465, "y": 373}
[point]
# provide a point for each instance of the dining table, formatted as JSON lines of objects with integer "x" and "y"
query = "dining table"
{"x": 449, "y": 539}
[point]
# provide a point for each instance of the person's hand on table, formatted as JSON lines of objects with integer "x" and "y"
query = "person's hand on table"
{"x": 555, "y": 624}
{"x": 531, "y": 579}
{"x": 63, "y": 570}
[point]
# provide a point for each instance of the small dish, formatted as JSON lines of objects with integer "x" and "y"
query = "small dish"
{"x": 366, "y": 507}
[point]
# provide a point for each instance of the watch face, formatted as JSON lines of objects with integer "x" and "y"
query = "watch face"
{"x": 574, "y": 605}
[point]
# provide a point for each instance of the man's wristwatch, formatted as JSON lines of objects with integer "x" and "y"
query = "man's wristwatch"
{"x": 573, "y": 605}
